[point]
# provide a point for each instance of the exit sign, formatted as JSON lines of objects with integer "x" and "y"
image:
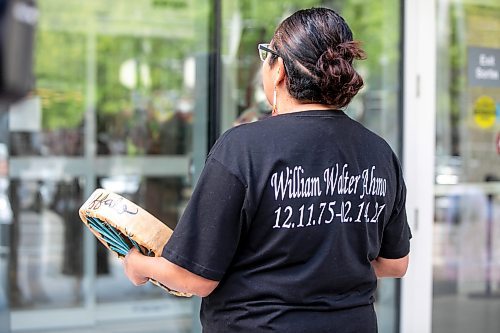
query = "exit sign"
{"x": 483, "y": 67}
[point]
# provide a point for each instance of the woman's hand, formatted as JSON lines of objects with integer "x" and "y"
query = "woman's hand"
{"x": 132, "y": 263}
{"x": 139, "y": 268}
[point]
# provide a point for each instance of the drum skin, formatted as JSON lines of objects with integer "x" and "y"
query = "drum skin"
{"x": 120, "y": 224}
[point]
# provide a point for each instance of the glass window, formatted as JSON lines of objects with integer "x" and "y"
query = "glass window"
{"x": 120, "y": 103}
{"x": 144, "y": 105}
{"x": 46, "y": 257}
{"x": 466, "y": 280}
{"x": 53, "y": 116}
{"x": 375, "y": 23}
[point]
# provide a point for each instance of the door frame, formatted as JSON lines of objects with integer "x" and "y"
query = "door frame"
{"x": 418, "y": 160}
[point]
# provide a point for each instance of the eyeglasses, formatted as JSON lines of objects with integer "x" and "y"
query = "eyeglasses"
{"x": 264, "y": 51}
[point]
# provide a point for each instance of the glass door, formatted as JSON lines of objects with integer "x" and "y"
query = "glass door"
{"x": 376, "y": 24}
{"x": 120, "y": 103}
{"x": 466, "y": 254}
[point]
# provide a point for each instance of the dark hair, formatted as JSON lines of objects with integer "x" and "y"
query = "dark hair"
{"x": 317, "y": 48}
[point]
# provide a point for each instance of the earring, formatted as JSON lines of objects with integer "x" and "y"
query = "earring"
{"x": 275, "y": 109}
{"x": 275, "y": 95}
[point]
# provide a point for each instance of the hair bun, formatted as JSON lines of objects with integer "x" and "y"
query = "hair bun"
{"x": 338, "y": 80}
{"x": 346, "y": 51}
{"x": 350, "y": 50}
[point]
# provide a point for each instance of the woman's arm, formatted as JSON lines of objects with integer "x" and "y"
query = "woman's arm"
{"x": 139, "y": 268}
{"x": 390, "y": 267}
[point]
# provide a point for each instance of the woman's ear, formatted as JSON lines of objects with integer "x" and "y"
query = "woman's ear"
{"x": 280, "y": 73}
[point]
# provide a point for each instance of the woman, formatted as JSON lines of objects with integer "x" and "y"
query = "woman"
{"x": 295, "y": 216}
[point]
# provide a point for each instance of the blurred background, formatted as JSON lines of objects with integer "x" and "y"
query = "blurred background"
{"x": 130, "y": 96}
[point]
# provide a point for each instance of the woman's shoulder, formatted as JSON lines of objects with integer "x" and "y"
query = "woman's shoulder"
{"x": 248, "y": 131}
{"x": 370, "y": 136}
{"x": 237, "y": 139}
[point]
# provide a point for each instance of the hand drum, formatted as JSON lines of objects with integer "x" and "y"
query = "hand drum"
{"x": 120, "y": 224}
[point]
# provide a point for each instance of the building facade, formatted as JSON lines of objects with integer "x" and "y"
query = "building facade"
{"x": 130, "y": 96}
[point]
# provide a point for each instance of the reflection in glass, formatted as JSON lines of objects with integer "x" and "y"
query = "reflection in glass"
{"x": 127, "y": 79}
{"x": 46, "y": 264}
{"x": 144, "y": 106}
{"x": 466, "y": 269}
{"x": 465, "y": 260}
{"x": 60, "y": 94}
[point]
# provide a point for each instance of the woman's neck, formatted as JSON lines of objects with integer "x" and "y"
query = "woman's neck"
{"x": 288, "y": 104}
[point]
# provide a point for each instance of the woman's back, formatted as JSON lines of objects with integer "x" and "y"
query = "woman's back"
{"x": 319, "y": 189}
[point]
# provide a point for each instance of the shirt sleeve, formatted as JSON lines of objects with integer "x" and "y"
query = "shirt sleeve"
{"x": 207, "y": 235}
{"x": 396, "y": 235}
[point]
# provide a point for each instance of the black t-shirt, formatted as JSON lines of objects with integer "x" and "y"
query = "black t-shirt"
{"x": 287, "y": 214}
